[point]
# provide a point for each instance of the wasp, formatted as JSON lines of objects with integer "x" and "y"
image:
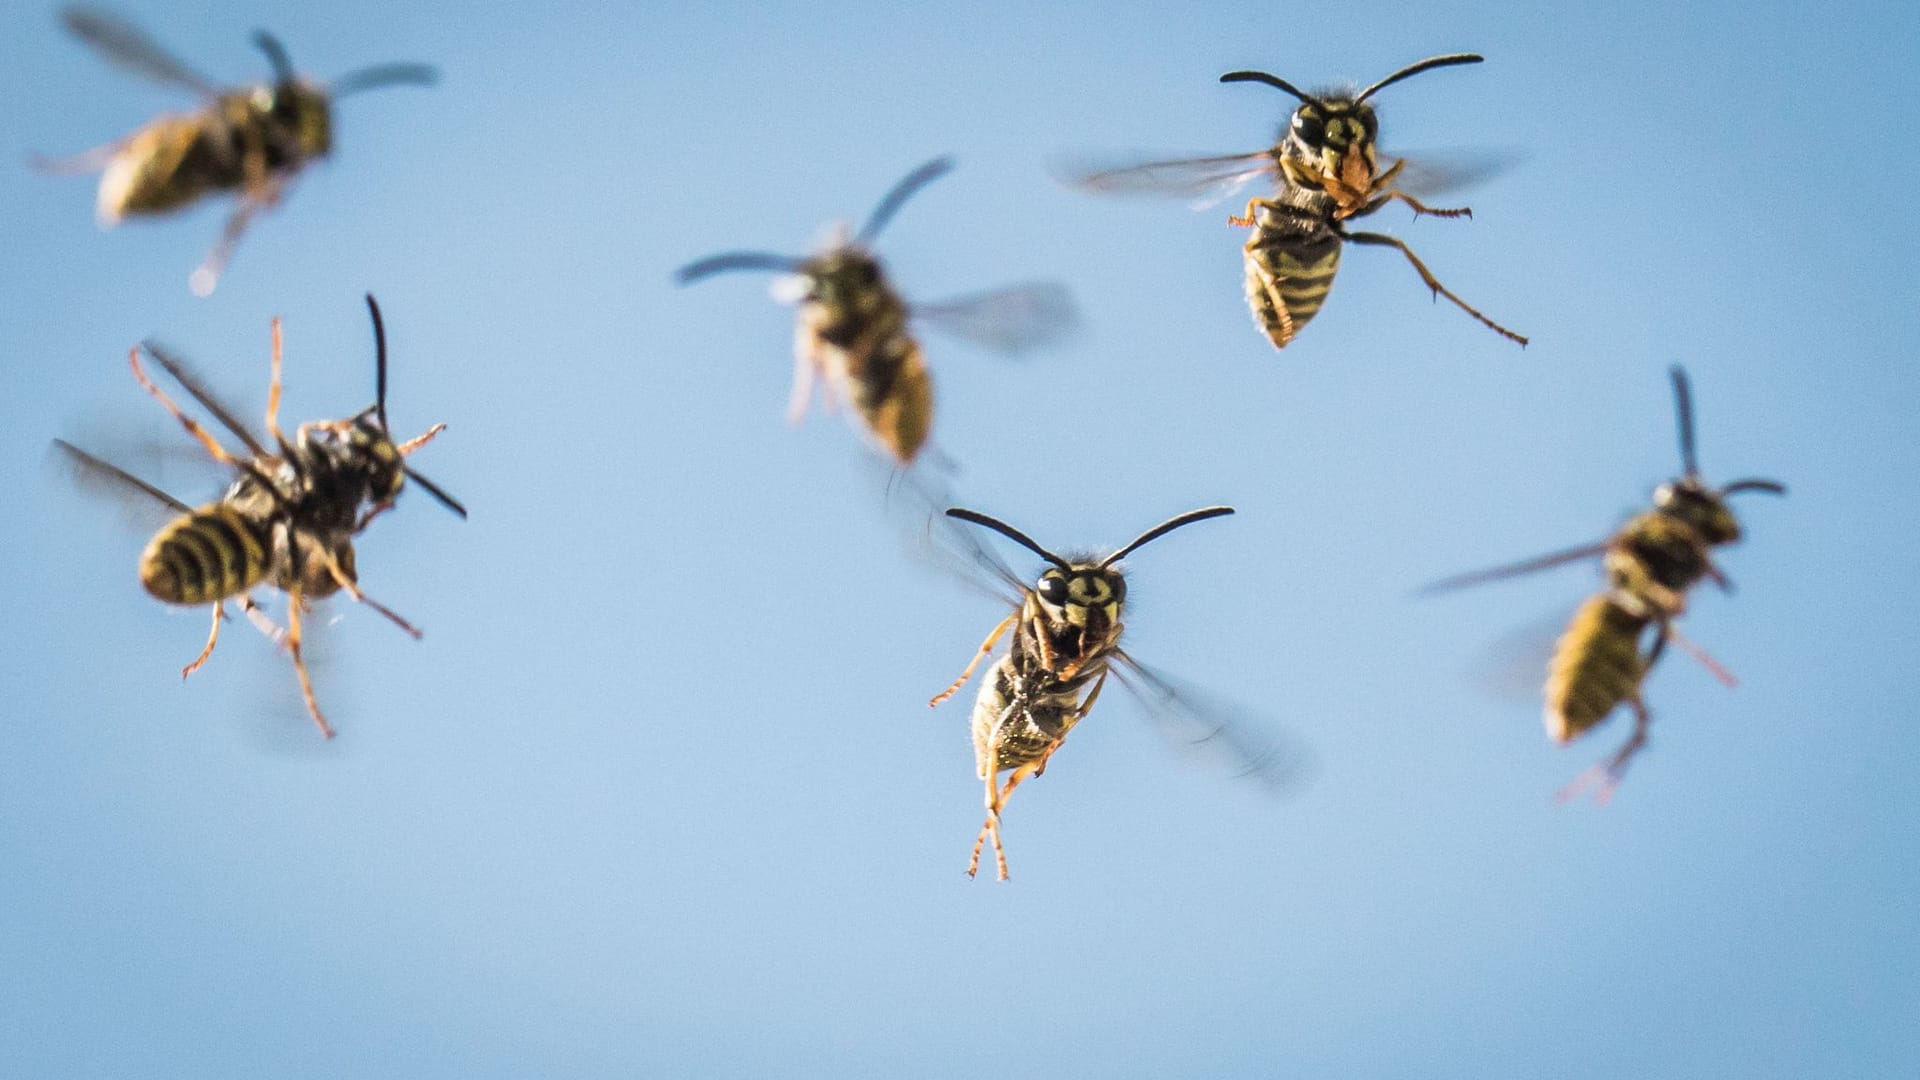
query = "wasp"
{"x": 1326, "y": 170}
{"x": 1651, "y": 564}
{"x": 853, "y": 330}
{"x": 1066, "y": 642}
{"x": 249, "y": 140}
{"x": 290, "y": 515}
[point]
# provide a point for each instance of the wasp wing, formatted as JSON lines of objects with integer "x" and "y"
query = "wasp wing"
{"x": 1203, "y": 181}
{"x": 144, "y": 504}
{"x": 1009, "y": 320}
{"x": 191, "y": 382}
{"x": 125, "y": 45}
{"x": 1195, "y": 721}
{"x": 1499, "y": 573}
{"x": 915, "y": 505}
{"x": 1440, "y": 172}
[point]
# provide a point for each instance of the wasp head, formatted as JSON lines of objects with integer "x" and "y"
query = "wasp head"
{"x": 1703, "y": 509}
{"x": 360, "y": 453}
{"x": 1081, "y": 595}
{"x": 846, "y": 279}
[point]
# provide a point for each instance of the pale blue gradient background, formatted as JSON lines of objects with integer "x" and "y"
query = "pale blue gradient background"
{"x": 657, "y": 795}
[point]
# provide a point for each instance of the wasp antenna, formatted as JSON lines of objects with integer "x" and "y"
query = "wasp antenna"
{"x": 379, "y": 75}
{"x": 729, "y": 261}
{"x": 1771, "y": 487}
{"x": 379, "y": 361}
{"x": 1414, "y": 69}
{"x": 437, "y": 492}
{"x": 892, "y": 201}
{"x": 1271, "y": 80}
{"x": 1164, "y": 528}
{"x": 276, "y": 56}
{"x": 1010, "y": 533}
{"x": 1683, "y": 406}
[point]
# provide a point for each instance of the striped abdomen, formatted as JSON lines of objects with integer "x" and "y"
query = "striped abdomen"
{"x": 1596, "y": 666}
{"x": 1290, "y": 263}
{"x": 207, "y": 555}
{"x": 894, "y": 395}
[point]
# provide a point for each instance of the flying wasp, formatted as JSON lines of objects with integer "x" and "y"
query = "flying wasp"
{"x": 853, "y": 327}
{"x": 1651, "y": 564}
{"x": 290, "y": 515}
{"x": 250, "y": 140}
{"x": 1066, "y": 642}
{"x": 1327, "y": 172}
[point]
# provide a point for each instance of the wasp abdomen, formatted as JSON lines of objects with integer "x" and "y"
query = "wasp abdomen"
{"x": 207, "y": 555}
{"x": 1596, "y": 666}
{"x": 1291, "y": 261}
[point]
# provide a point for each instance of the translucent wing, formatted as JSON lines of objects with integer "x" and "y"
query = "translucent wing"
{"x": 219, "y": 410}
{"x": 145, "y": 504}
{"x": 1009, "y": 320}
{"x": 127, "y": 46}
{"x": 1204, "y": 180}
{"x": 916, "y": 504}
{"x": 1440, "y": 172}
{"x": 1499, "y": 573}
{"x": 1197, "y": 722}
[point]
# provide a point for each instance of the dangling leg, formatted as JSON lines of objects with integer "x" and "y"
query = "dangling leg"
{"x": 992, "y": 824}
{"x": 985, "y": 648}
{"x": 997, "y": 804}
{"x": 299, "y": 664}
{"x": 1431, "y": 281}
{"x": 802, "y": 392}
{"x": 273, "y": 389}
{"x": 262, "y": 623}
{"x": 219, "y": 612}
{"x": 207, "y": 275}
{"x": 1605, "y": 777}
{"x": 1706, "y": 659}
{"x": 345, "y": 581}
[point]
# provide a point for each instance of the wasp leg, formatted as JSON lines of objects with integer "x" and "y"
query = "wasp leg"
{"x": 193, "y": 426}
{"x": 1705, "y": 658}
{"x": 299, "y": 664}
{"x": 1431, "y": 281}
{"x": 345, "y": 581}
{"x": 802, "y": 393}
{"x": 219, "y": 613}
{"x": 207, "y": 275}
{"x": 1240, "y": 221}
{"x": 985, "y": 648}
{"x": 421, "y": 440}
{"x": 1271, "y": 286}
{"x": 1605, "y": 777}
{"x": 263, "y": 623}
{"x": 273, "y": 388}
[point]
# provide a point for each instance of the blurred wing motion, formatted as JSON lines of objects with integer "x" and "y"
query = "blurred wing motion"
{"x": 196, "y": 387}
{"x": 915, "y": 505}
{"x": 1500, "y": 573}
{"x": 127, "y": 46}
{"x": 118, "y": 484}
{"x": 1440, "y": 172}
{"x": 1204, "y": 181}
{"x": 1009, "y": 320}
{"x": 1200, "y": 723}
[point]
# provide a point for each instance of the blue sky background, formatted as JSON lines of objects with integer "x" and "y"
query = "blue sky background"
{"x": 657, "y": 793}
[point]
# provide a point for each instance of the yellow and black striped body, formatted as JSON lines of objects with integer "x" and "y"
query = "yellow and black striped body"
{"x": 1656, "y": 558}
{"x": 1033, "y": 696}
{"x": 241, "y": 140}
{"x": 1597, "y": 665}
{"x": 217, "y": 551}
{"x": 1290, "y": 262}
{"x": 853, "y": 329}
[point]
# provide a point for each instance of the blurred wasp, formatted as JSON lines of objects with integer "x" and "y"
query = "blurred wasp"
{"x": 853, "y": 330}
{"x": 289, "y": 517}
{"x": 1327, "y": 171}
{"x": 1066, "y": 641}
{"x": 1651, "y": 564}
{"x": 252, "y": 140}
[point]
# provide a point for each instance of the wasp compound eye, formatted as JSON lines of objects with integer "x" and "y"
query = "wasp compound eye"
{"x": 1309, "y": 128}
{"x": 1053, "y": 589}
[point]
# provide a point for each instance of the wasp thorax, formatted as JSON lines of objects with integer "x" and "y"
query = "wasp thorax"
{"x": 301, "y": 119}
{"x": 846, "y": 276}
{"x": 362, "y": 450}
{"x": 1704, "y": 510}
